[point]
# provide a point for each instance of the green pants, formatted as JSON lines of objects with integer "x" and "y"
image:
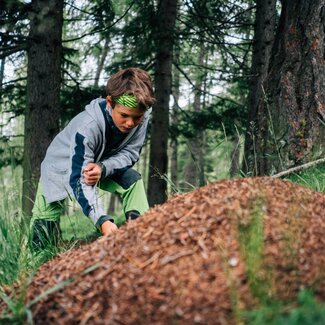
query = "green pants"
{"x": 133, "y": 199}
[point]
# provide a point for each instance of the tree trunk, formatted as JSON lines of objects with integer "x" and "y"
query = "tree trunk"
{"x": 157, "y": 185}
{"x": 263, "y": 40}
{"x": 43, "y": 90}
{"x": 174, "y": 122}
{"x": 292, "y": 130}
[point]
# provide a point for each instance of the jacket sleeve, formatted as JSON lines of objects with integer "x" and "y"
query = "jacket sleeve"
{"x": 128, "y": 155}
{"x": 81, "y": 155}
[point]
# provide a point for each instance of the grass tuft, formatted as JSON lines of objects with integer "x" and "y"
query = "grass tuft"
{"x": 251, "y": 241}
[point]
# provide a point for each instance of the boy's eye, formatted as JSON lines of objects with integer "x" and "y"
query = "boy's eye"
{"x": 124, "y": 115}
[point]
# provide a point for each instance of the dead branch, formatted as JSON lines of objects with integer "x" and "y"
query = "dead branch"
{"x": 299, "y": 168}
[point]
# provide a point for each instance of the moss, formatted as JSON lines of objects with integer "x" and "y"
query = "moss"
{"x": 251, "y": 241}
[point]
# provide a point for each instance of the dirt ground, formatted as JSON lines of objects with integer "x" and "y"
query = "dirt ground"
{"x": 200, "y": 258}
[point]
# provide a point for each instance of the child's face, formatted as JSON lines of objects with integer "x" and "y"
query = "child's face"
{"x": 126, "y": 118}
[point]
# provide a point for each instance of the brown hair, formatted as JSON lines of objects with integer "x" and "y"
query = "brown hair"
{"x": 132, "y": 81}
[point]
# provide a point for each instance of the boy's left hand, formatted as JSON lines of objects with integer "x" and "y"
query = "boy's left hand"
{"x": 108, "y": 228}
{"x": 92, "y": 174}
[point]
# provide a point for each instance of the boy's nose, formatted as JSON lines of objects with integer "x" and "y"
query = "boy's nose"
{"x": 129, "y": 123}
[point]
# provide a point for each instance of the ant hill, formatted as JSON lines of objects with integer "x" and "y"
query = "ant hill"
{"x": 200, "y": 258}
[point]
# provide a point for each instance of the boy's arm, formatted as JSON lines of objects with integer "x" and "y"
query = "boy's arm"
{"x": 82, "y": 154}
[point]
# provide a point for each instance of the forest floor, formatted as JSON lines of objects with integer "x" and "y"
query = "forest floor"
{"x": 201, "y": 258}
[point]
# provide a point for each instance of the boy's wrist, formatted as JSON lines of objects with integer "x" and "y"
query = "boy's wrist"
{"x": 103, "y": 169}
{"x": 103, "y": 219}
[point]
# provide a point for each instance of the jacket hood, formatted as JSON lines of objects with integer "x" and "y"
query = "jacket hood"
{"x": 94, "y": 110}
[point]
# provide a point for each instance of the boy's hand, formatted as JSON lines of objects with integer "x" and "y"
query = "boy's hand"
{"x": 108, "y": 228}
{"x": 92, "y": 174}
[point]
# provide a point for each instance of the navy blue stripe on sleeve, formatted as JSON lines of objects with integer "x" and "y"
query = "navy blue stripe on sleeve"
{"x": 75, "y": 177}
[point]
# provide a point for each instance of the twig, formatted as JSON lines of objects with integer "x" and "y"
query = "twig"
{"x": 298, "y": 168}
{"x": 168, "y": 259}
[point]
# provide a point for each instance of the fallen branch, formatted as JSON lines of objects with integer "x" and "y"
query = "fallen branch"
{"x": 298, "y": 168}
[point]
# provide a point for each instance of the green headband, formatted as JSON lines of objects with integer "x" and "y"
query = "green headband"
{"x": 127, "y": 100}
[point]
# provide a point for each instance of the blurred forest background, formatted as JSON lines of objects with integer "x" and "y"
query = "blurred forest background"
{"x": 239, "y": 84}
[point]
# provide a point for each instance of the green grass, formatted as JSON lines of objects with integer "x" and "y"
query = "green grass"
{"x": 305, "y": 311}
{"x": 78, "y": 227}
{"x": 17, "y": 263}
{"x": 313, "y": 178}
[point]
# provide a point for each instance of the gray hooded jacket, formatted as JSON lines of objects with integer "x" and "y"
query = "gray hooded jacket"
{"x": 81, "y": 142}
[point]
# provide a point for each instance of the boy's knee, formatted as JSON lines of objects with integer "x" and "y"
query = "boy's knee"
{"x": 127, "y": 178}
{"x": 132, "y": 215}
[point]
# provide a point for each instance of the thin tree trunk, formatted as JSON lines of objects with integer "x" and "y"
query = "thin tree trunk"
{"x": 2, "y": 71}
{"x": 234, "y": 163}
{"x": 293, "y": 132}
{"x": 174, "y": 122}
{"x": 157, "y": 185}
{"x": 144, "y": 170}
{"x": 43, "y": 90}
{"x": 262, "y": 46}
{"x": 101, "y": 62}
{"x": 195, "y": 166}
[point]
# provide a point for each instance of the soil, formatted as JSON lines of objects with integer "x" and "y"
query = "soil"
{"x": 200, "y": 258}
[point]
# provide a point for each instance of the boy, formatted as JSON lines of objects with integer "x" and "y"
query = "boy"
{"x": 97, "y": 148}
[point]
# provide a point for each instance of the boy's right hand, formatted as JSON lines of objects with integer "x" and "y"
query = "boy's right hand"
{"x": 92, "y": 174}
{"x": 108, "y": 228}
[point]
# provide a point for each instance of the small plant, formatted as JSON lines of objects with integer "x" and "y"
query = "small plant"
{"x": 306, "y": 311}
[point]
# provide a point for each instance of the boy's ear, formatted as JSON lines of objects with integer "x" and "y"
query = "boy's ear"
{"x": 109, "y": 101}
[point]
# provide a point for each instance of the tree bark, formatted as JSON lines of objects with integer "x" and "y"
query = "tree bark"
{"x": 43, "y": 90}
{"x": 264, "y": 31}
{"x": 292, "y": 128}
{"x": 164, "y": 37}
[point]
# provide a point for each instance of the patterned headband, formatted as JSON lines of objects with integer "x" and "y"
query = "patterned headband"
{"x": 127, "y": 100}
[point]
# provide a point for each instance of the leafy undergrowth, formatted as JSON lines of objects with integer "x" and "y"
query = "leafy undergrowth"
{"x": 305, "y": 311}
{"x": 234, "y": 252}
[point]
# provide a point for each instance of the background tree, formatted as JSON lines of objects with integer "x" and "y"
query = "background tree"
{"x": 43, "y": 90}
{"x": 264, "y": 31}
{"x": 164, "y": 41}
{"x": 291, "y": 116}
{"x": 194, "y": 169}
{"x": 223, "y": 29}
{"x": 13, "y": 37}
